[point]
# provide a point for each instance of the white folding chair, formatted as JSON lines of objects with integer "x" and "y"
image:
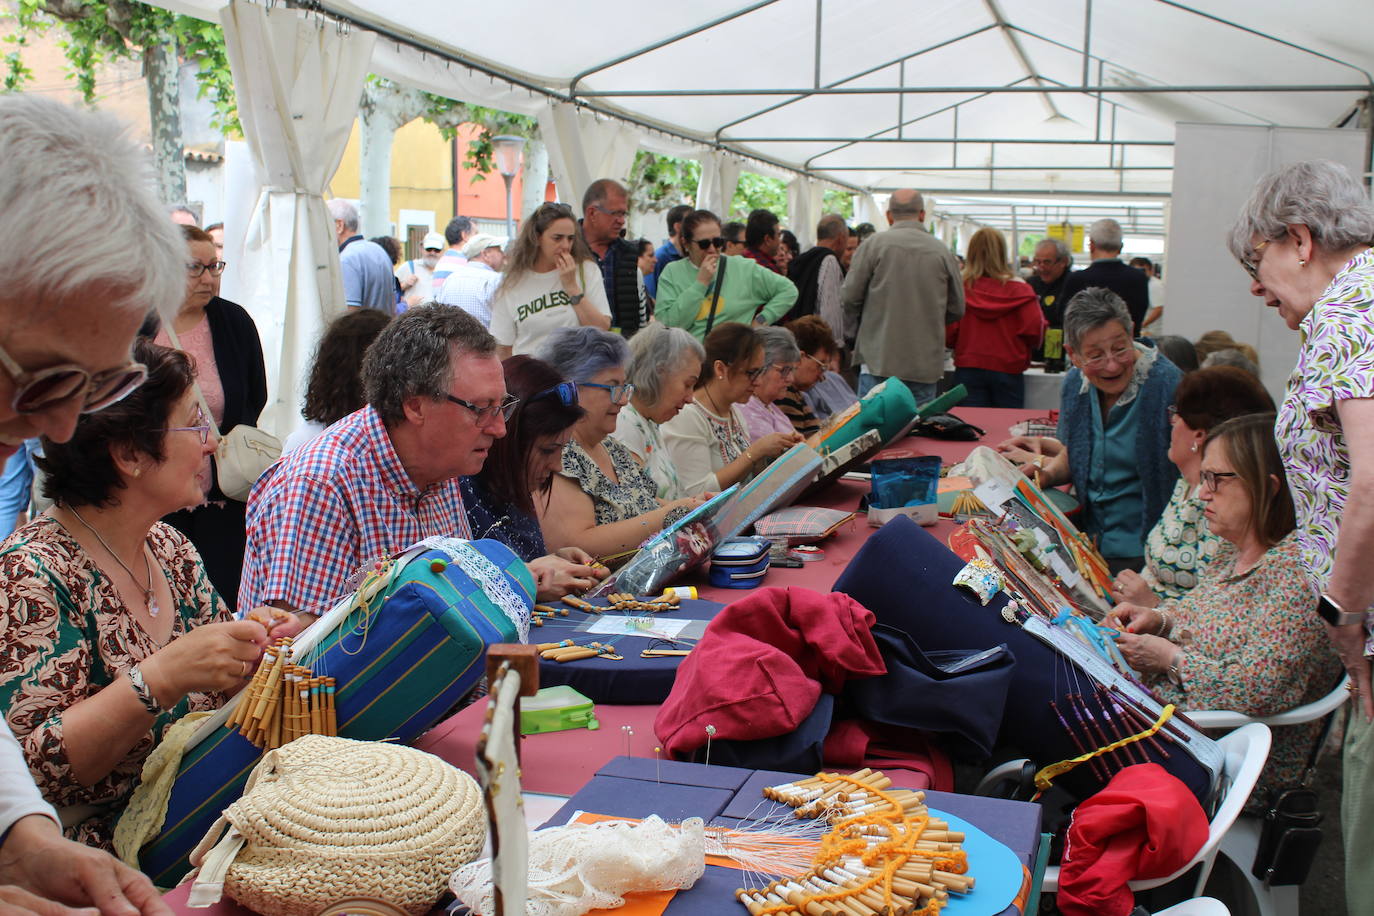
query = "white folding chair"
{"x": 1242, "y": 840}
{"x": 1198, "y": 906}
{"x": 1244, "y": 752}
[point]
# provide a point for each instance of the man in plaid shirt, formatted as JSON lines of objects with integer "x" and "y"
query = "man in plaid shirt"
{"x": 386, "y": 476}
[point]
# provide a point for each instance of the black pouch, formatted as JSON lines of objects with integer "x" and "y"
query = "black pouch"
{"x": 1289, "y": 837}
{"x": 947, "y": 426}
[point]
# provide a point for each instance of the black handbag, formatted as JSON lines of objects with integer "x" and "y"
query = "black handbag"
{"x": 1291, "y": 831}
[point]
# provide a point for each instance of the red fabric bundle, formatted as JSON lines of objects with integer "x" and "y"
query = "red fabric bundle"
{"x": 763, "y": 662}
{"x": 1144, "y": 824}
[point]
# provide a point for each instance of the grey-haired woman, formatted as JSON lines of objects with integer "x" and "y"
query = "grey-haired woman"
{"x": 603, "y": 501}
{"x": 665, "y": 364}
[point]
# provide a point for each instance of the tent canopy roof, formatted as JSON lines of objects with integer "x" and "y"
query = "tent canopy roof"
{"x": 1006, "y": 96}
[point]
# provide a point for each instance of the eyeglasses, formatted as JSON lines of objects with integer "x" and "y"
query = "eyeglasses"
{"x": 1211, "y": 479}
{"x": 825, "y": 367}
{"x": 1115, "y": 355}
{"x": 620, "y": 394}
{"x": 707, "y": 244}
{"x": 756, "y": 374}
{"x": 614, "y": 214}
{"x": 50, "y": 388}
{"x": 552, "y": 208}
{"x": 203, "y": 428}
{"x": 196, "y": 268}
{"x": 1043, "y": 262}
{"x": 486, "y": 416}
{"x": 1251, "y": 264}
{"x": 566, "y": 392}
{"x": 785, "y": 370}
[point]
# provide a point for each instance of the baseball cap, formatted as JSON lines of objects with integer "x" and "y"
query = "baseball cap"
{"x": 434, "y": 240}
{"x": 481, "y": 242}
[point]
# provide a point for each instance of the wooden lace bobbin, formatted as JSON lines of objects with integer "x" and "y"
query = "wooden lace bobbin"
{"x": 243, "y": 711}
{"x": 270, "y": 690}
{"x": 332, "y": 717}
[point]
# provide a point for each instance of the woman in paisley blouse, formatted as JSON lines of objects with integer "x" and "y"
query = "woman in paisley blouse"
{"x": 1245, "y": 638}
{"x": 709, "y": 441}
{"x": 1180, "y": 544}
{"x": 602, "y": 501}
{"x": 1304, "y": 238}
{"x": 664, "y": 366}
{"x": 518, "y": 474}
{"x": 112, "y": 629}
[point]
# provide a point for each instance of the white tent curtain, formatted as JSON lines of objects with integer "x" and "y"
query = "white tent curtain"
{"x": 804, "y": 196}
{"x": 866, "y": 210}
{"x": 719, "y": 178}
{"x": 583, "y": 148}
{"x": 298, "y": 82}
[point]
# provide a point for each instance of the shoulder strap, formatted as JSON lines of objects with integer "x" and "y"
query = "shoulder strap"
{"x": 200, "y": 396}
{"x": 715, "y": 292}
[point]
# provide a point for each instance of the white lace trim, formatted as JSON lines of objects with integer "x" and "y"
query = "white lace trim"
{"x": 486, "y": 574}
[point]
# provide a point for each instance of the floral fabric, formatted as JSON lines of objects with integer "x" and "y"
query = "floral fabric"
{"x": 1179, "y": 545}
{"x": 632, "y": 493}
{"x": 1252, "y": 644}
{"x": 1336, "y": 363}
{"x": 69, "y": 635}
{"x": 644, "y": 438}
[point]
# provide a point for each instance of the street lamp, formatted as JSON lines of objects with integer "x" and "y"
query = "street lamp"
{"x": 506, "y": 151}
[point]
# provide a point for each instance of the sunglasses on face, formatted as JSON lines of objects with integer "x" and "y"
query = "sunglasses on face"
{"x": 707, "y": 244}
{"x": 620, "y": 394}
{"x": 486, "y": 416}
{"x": 566, "y": 392}
{"x": 55, "y": 386}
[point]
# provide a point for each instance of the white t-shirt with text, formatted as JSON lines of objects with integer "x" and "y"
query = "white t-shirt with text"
{"x": 524, "y": 314}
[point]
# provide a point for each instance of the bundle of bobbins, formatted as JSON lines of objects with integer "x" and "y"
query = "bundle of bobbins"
{"x": 284, "y": 701}
{"x": 622, "y": 601}
{"x": 569, "y": 651}
{"x": 543, "y": 612}
{"x": 885, "y": 853}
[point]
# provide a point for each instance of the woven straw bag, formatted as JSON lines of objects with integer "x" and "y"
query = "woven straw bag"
{"x": 324, "y": 819}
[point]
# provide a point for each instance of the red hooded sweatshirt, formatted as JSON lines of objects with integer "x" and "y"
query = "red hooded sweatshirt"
{"x": 1002, "y": 325}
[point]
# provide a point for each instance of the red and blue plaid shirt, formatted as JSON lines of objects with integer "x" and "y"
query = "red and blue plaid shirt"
{"x": 333, "y": 507}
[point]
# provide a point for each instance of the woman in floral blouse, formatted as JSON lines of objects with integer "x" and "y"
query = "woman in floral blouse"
{"x": 1245, "y": 638}
{"x": 1304, "y": 238}
{"x": 1180, "y": 544}
{"x": 602, "y": 501}
{"x": 111, "y": 627}
{"x": 665, "y": 364}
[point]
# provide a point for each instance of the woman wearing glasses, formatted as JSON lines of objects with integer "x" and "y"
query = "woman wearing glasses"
{"x": 502, "y": 500}
{"x": 780, "y": 356}
{"x": 664, "y": 366}
{"x": 223, "y": 343}
{"x": 550, "y": 281}
{"x": 742, "y": 290}
{"x": 1114, "y": 429}
{"x": 1245, "y": 638}
{"x": 708, "y": 440}
{"x": 603, "y": 500}
{"x": 1304, "y": 238}
{"x": 1181, "y": 544}
{"x": 113, "y": 629}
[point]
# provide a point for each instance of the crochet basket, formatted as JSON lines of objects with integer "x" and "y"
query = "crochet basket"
{"x": 323, "y": 819}
{"x": 400, "y": 663}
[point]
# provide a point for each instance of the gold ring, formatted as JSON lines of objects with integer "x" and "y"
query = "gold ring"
{"x": 246, "y": 668}
{"x": 1352, "y": 687}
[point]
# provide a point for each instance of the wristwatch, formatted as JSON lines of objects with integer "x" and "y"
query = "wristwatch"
{"x": 573, "y": 300}
{"x": 1336, "y": 615}
{"x": 144, "y": 694}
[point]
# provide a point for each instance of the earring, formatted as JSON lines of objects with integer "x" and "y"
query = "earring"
{"x": 138, "y": 472}
{"x": 1301, "y": 262}
{"x": 1193, "y": 447}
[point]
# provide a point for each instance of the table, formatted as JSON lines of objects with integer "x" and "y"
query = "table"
{"x": 1042, "y": 389}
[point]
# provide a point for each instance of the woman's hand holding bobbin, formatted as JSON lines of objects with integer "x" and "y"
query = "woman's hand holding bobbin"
{"x": 213, "y": 657}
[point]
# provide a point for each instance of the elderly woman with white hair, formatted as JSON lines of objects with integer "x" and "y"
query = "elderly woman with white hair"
{"x": 1114, "y": 428}
{"x": 1304, "y": 238}
{"x": 665, "y": 364}
{"x": 780, "y": 356}
{"x": 603, "y": 501}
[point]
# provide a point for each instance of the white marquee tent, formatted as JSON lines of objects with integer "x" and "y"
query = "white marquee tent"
{"x": 965, "y": 99}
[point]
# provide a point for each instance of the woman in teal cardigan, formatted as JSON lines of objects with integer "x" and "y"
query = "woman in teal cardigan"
{"x": 1113, "y": 436}
{"x": 749, "y": 293}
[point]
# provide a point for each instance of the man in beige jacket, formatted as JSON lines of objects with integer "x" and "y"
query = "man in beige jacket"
{"x": 903, "y": 288}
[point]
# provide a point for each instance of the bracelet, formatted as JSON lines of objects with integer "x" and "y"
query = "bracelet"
{"x": 749, "y": 456}
{"x": 1174, "y": 674}
{"x": 1166, "y": 624}
{"x": 144, "y": 693}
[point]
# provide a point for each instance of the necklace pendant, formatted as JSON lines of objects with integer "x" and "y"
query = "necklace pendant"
{"x": 153, "y": 609}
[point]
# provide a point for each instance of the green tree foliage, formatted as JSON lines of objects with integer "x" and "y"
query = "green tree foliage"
{"x": 758, "y": 192}
{"x": 97, "y": 31}
{"x": 836, "y": 201}
{"x": 662, "y": 182}
{"x": 448, "y": 115}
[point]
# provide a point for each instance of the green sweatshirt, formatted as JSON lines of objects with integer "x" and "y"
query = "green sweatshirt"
{"x": 684, "y": 303}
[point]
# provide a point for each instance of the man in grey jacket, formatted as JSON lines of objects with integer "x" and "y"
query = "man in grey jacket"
{"x": 903, "y": 288}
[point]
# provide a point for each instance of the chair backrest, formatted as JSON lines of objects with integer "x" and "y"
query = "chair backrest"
{"x": 1245, "y": 749}
{"x": 1308, "y": 712}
